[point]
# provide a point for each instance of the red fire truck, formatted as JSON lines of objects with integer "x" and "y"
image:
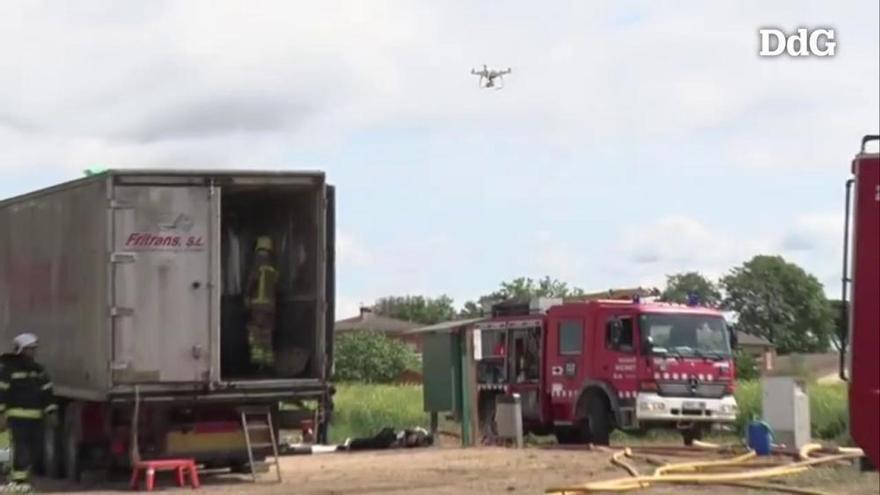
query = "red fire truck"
{"x": 864, "y": 288}
{"x": 585, "y": 368}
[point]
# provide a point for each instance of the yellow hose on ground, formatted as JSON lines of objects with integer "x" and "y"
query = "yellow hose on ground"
{"x": 627, "y": 484}
{"x": 805, "y": 451}
{"x": 694, "y": 466}
{"x": 775, "y": 488}
{"x": 850, "y": 450}
{"x": 706, "y": 445}
{"x": 617, "y": 459}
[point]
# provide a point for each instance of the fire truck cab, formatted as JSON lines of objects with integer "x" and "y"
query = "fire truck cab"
{"x": 583, "y": 369}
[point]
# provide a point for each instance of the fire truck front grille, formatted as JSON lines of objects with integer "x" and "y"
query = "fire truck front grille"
{"x": 683, "y": 389}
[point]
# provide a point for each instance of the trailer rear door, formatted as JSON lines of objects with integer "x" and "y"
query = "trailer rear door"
{"x": 163, "y": 309}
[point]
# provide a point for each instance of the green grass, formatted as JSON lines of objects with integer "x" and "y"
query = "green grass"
{"x": 828, "y": 409}
{"x": 363, "y": 410}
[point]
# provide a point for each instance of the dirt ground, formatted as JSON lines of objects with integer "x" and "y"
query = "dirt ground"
{"x": 448, "y": 471}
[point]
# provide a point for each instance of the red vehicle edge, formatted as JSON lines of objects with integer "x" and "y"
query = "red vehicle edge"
{"x": 863, "y": 281}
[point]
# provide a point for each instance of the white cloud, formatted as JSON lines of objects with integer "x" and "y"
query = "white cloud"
{"x": 819, "y": 233}
{"x": 190, "y": 72}
{"x": 429, "y": 266}
{"x": 649, "y": 252}
{"x": 347, "y": 306}
{"x": 557, "y": 258}
{"x": 815, "y": 241}
{"x": 233, "y": 83}
{"x": 351, "y": 251}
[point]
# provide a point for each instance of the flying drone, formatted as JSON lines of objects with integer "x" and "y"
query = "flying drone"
{"x": 488, "y": 77}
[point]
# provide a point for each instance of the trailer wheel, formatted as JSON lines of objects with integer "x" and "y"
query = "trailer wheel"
{"x": 599, "y": 417}
{"x": 72, "y": 435}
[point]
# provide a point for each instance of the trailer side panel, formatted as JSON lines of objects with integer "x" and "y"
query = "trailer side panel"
{"x": 53, "y": 282}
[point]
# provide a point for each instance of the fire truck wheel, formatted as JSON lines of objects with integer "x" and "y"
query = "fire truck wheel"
{"x": 568, "y": 435}
{"x": 695, "y": 432}
{"x": 599, "y": 417}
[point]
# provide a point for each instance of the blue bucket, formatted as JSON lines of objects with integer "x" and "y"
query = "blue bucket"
{"x": 759, "y": 437}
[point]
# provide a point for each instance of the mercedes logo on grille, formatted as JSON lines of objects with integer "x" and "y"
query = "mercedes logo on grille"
{"x": 693, "y": 384}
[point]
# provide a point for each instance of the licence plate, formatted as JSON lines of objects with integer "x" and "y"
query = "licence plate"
{"x": 689, "y": 404}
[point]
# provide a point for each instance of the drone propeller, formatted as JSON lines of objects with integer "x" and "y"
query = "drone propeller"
{"x": 489, "y": 76}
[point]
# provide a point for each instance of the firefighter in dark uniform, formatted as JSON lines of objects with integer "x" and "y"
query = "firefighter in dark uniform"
{"x": 260, "y": 302}
{"x": 26, "y": 401}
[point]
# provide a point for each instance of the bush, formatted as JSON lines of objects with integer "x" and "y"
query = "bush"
{"x": 829, "y": 417}
{"x": 371, "y": 357}
{"x": 362, "y": 410}
{"x": 829, "y": 411}
{"x": 746, "y": 366}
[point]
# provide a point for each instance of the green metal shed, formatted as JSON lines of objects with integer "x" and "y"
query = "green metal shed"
{"x": 444, "y": 357}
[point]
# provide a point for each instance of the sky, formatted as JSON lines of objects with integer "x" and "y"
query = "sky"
{"x": 633, "y": 140}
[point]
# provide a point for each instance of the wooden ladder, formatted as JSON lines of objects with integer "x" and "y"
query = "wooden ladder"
{"x": 248, "y": 428}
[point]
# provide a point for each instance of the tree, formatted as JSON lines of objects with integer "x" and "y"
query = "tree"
{"x": 370, "y": 357}
{"x": 420, "y": 309}
{"x": 472, "y": 309}
{"x": 521, "y": 288}
{"x": 678, "y": 287}
{"x": 779, "y": 301}
{"x": 746, "y": 366}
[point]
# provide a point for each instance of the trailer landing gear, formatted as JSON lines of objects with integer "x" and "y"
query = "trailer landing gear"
{"x": 51, "y": 462}
{"x": 71, "y": 441}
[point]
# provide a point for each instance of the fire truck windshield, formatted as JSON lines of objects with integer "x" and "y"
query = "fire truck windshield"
{"x": 685, "y": 335}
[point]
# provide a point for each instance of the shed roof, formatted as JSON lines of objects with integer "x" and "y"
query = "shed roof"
{"x": 377, "y": 323}
{"x": 446, "y": 326}
{"x": 749, "y": 339}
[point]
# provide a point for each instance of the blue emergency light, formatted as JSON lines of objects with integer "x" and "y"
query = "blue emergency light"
{"x": 693, "y": 300}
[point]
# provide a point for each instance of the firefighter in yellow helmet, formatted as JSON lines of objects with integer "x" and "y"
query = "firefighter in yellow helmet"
{"x": 27, "y": 405}
{"x": 260, "y": 302}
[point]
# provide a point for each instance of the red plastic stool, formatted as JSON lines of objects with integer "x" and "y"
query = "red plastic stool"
{"x": 180, "y": 466}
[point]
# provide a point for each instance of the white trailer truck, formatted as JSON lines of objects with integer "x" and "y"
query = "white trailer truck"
{"x": 133, "y": 281}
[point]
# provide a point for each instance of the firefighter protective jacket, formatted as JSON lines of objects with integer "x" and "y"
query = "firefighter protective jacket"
{"x": 25, "y": 388}
{"x": 261, "y": 285}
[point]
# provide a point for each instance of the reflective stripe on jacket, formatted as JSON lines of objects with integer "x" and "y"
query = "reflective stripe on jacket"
{"x": 261, "y": 285}
{"x": 25, "y": 388}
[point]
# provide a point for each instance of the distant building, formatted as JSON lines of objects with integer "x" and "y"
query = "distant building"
{"x": 393, "y": 328}
{"x": 759, "y": 348}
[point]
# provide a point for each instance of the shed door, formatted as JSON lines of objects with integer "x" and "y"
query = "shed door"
{"x": 162, "y": 302}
